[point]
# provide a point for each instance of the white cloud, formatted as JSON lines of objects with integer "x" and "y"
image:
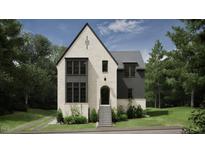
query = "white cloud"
{"x": 131, "y": 26}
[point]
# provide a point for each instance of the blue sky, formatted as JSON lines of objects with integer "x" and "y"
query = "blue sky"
{"x": 117, "y": 35}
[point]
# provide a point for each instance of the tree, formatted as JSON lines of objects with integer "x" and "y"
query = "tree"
{"x": 40, "y": 71}
{"x": 189, "y": 41}
{"x": 154, "y": 73}
{"x": 10, "y": 43}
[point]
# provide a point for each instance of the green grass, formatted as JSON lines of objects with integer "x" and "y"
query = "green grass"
{"x": 58, "y": 127}
{"x": 37, "y": 120}
{"x": 177, "y": 116}
{"x": 11, "y": 121}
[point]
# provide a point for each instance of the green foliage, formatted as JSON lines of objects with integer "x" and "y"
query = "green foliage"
{"x": 134, "y": 112}
{"x": 114, "y": 115}
{"x": 154, "y": 76}
{"x": 179, "y": 72}
{"x": 119, "y": 114}
{"x": 93, "y": 116}
{"x": 197, "y": 120}
{"x": 59, "y": 116}
{"x": 120, "y": 110}
{"x": 122, "y": 117}
{"x": 79, "y": 119}
{"x": 10, "y": 55}
{"x": 190, "y": 55}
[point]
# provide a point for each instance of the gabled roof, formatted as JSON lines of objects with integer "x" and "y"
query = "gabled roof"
{"x": 128, "y": 57}
{"x": 78, "y": 36}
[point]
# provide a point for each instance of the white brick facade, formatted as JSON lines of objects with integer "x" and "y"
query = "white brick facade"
{"x": 95, "y": 53}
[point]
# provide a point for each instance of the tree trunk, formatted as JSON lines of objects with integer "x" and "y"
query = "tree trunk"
{"x": 159, "y": 100}
{"x": 26, "y": 99}
{"x": 155, "y": 102}
{"x": 159, "y": 95}
{"x": 192, "y": 98}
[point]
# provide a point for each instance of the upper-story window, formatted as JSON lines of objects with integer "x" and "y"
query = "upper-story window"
{"x": 104, "y": 66}
{"x": 130, "y": 70}
{"x": 76, "y": 67}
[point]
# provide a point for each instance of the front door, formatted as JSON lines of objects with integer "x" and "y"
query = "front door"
{"x": 105, "y": 95}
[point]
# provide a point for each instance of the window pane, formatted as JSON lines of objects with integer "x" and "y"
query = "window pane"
{"x": 105, "y": 66}
{"x": 126, "y": 70}
{"x": 82, "y": 92}
{"x": 132, "y": 71}
{"x": 76, "y": 92}
{"x": 130, "y": 93}
{"x": 76, "y": 67}
{"x": 69, "y": 67}
{"x": 83, "y": 67}
{"x": 69, "y": 92}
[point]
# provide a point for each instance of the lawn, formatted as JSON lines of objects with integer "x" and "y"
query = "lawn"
{"x": 62, "y": 128}
{"x": 11, "y": 121}
{"x": 177, "y": 116}
{"x": 36, "y": 120}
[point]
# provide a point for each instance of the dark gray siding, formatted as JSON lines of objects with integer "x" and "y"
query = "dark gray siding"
{"x": 136, "y": 83}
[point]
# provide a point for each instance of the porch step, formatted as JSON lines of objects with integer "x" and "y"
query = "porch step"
{"x": 105, "y": 116}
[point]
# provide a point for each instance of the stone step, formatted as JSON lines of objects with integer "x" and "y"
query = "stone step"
{"x": 105, "y": 116}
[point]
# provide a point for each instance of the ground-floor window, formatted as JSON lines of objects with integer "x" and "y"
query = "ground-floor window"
{"x": 76, "y": 92}
{"x": 130, "y": 93}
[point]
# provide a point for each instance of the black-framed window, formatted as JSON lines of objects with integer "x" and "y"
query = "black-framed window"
{"x": 76, "y": 67}
{"x": 76, "y": 92}
{"x": 82, "y": 92}
{"x": 69, "y": 92}
{"x": 69, "y": 67}
{"x": 129, "y": 70}
{"x": 104, "y": 66}
{"x": 130, "y": 93}
{"x": 82, "y": 67}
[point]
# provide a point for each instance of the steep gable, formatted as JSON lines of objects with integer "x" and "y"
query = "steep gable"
{"x": 86, "y": 25}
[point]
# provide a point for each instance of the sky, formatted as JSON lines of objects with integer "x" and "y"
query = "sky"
{"x": 117, "y": 35}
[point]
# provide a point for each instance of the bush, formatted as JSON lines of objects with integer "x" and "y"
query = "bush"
{"x": 120, "y": 110}
{"x": 139, "y": 112}
{"x": 75, "y": 119}
{"x": 122, "y": 117}
{"x": 134, "y": 112}
{"x": 197, "y": 126}
{"x": 69, "y": 120}
{"x": 59, "y": 116}
{"x": 93, "y": 116}
{"x": 80, "y": 119}
{"x": 114, "y": 115}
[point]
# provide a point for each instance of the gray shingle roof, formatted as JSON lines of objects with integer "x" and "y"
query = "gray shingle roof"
{"x": 128, "y": 57}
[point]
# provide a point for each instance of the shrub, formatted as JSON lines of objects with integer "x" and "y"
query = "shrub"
{"x": 120, "y": 110}
{"x": 114, "y": 115}
{"x": 139, "y": 112}
{"x": 122, "y": 117}
{"x": 197, "y": 120}
{"x": 134, "y": 112}
{"x": 69, "y": 120}
{"x": 131, "y": 112}
{"x": 80, "y": 119}
{"x": 75, "y": 119}
{"x": 93, "y": 116}
{"x": 59, "y": 116}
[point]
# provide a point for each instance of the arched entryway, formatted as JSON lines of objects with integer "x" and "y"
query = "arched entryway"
{"x": 105, "y": 95}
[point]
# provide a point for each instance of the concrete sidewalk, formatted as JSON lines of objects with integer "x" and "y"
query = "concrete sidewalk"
{"x": 113, "y": 130}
